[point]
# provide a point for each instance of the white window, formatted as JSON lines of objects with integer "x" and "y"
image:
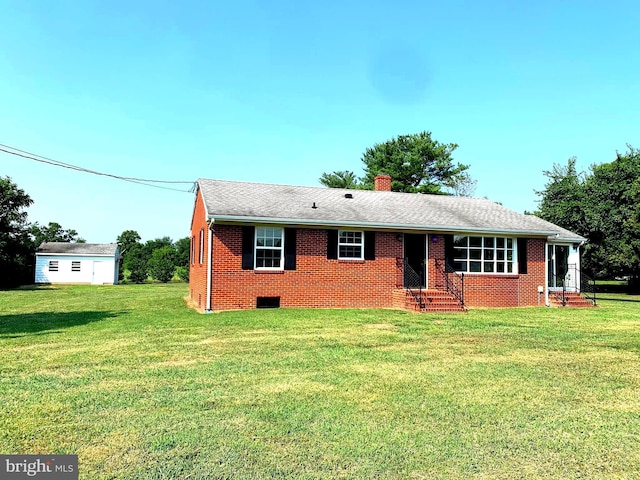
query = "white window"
{"x": 75, "y": 266}
{"x": 483, "y": 254}
{"x": 53, "y": 265}
{"x": 201, "y": 247}
{"x": 269, "y": 248}
{"x": 350, "y": 245}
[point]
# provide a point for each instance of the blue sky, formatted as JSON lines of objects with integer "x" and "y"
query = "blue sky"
{"x": 282, "y": 91}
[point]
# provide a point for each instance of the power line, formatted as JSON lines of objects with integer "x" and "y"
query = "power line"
{"x": 141, "y": 181}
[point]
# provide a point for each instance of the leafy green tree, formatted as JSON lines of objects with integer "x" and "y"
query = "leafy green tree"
{"x": 563, "y": 198}
{"x": 417, "y": 164}
{"x": 53, "y": 232}
{"x": 157, "y": 243}
{"x": 632, "y": 248}
{"x": 340, "y": 179}
{"x": 463, "y": 186}
{"x": 126, "y": 241}
{"x": 183, "y": 273}
{"x": 602, "y": 206}
{"x": 137, "y": 262}
{"x": 612, "y": 193}
{"x": 162, "y": 263}
{"x": 16, "y": 246}
{"x": 183, "y": 252}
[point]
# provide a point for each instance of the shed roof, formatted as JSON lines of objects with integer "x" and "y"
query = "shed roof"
{"x": 64, "y": 248}
{"x": 230, "y": 201}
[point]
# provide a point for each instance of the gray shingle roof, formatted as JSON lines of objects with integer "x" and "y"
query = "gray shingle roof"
{"x": 63, "y": 248}
{"x": 560, "y": 233}
{"x": 260, "y": 202}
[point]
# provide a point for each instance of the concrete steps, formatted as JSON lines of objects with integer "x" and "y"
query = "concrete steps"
{"x": 433, "y": 301}
{"x": 572, "y": 300}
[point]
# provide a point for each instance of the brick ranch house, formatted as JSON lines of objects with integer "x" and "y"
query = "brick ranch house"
{"x": 260, "y": 245}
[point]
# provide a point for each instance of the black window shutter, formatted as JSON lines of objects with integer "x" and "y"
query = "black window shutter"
{"x": 332, "y": 244}
{"x": 248, "y": 240}
{"x": 522, "y": 255}
{"x": 369, "y": 245}
{"x": 289, "y": 248}
{"x": 448, "y": 250}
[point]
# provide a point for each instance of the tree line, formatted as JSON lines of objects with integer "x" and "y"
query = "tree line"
{"x": 160, "y": 259}
{"x": 602, "y": 205}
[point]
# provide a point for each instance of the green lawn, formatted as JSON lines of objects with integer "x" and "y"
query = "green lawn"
{"x": 140, "y": 387}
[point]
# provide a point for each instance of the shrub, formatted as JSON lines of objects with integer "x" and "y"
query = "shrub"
{"x": 137, "y": 264}
{"x": 183, "y": 273}
{"x": 162, "y": 264}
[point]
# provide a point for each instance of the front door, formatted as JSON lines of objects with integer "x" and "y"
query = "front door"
{"x": 415, "y": 254}
{"x": 558, "y": 266}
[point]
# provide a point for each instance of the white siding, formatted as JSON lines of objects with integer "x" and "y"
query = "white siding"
{"x": 574, "y": 259}
{"x": 93, "y": 269}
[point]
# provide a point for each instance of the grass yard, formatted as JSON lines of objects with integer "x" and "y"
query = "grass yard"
{"x": 142, "y": 388}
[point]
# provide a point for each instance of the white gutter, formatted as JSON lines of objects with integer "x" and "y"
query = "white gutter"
{"x": 555, "y": 239}
{"x": 209, "y": 265}
{"x": 385, "y": 226}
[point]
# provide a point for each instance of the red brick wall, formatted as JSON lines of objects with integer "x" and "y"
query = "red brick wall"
{"x": 316, "y": 282}
{"x": 198, "y": 271}
{"x": 486, "y": 290}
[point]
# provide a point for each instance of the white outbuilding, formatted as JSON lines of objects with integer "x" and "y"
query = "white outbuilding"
{"x": 93, "y": 263}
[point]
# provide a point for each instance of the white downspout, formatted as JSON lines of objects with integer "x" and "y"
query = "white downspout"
{"x": 209, "y": 265}
{"x": 546, "y": 273}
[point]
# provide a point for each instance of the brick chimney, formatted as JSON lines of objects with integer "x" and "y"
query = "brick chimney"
{"x": 382, "y": 183}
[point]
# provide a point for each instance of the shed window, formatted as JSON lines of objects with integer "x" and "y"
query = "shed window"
{"x": 53, "y": 265}
{"x": 75, "y": 266}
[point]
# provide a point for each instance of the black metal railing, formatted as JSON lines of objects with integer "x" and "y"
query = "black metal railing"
{"x": 413, "y": 283}
{"x": 561, "y": 295}
{"x": 587, "y": 284}
{"x": 453, "y": 281}
{"x": 574, "y": 281}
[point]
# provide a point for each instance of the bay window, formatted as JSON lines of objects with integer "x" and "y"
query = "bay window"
{"x": 483, "y": 254}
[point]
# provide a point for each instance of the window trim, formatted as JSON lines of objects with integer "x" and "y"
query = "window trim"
{"x": 256, "y": 248}
{"x": 468, "y": 248}
{"x": 201, "y": 248}
{"x": 360, "y": 244}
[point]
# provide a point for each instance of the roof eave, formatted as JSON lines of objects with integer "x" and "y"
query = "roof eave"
{"x": 567, "y": 239}
{"x": 372, "y": 225}
{"x": 78, "y": 254}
